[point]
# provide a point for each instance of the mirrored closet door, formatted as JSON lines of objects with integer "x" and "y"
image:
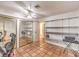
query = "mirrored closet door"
{"x": 26, "y": 33}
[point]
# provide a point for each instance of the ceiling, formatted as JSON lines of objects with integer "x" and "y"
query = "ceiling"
{"x": 47, "y": 8}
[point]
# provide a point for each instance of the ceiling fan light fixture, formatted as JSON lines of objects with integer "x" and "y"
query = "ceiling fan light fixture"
{"x": 29, "y": 17}
{"x": 33, "y": 14}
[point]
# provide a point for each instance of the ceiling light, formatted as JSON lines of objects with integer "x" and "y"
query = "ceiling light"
{"x": 29, "y": 17}
{"x": 33, "y": 15}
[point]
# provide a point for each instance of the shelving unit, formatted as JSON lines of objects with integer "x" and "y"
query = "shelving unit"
{"x": 70, "y": 18}
{"x": 58, "y": 29}
{"x": 27, "y": 27}
{"x": 59, "y": 33}
{"x": 62, "y": 27}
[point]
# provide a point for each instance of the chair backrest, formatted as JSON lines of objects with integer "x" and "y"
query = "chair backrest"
{"x": 1, "y": 51}
{"x": 12, "y": 35}
{"x": 9, "y": 46}
{"x": 13, "y": 38}
{"x": 1, "y": 37}
{"x": 0, "y": 33}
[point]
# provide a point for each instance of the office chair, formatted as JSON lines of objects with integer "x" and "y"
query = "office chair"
{"x": 13, "y": 38}
{"x": 8, "y": 48}
{"x": 1, "y": 37}
{"x": 10, "y": 45}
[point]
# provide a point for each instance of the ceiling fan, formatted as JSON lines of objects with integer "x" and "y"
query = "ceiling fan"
{"x": 32, "y": 14}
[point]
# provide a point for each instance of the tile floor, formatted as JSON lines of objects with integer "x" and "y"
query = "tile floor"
{"x": 48, "y": 50}
{"x": 25, "y": 41}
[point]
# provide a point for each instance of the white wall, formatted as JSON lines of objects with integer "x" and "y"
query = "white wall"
{"x": 63, "y": 23}
{"x": 35, "y": 31}
{"x": 64, "y": 15}
{"x": 8, "y": 24}
{"x": 1, "y": 26}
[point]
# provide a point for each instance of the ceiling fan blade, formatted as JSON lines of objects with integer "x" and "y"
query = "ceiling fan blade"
{"x": 29, "y": 9}
{"x": 37, "y": 13}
